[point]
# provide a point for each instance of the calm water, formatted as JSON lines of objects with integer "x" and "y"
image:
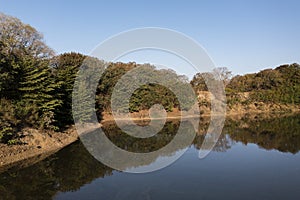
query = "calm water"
{"x": 255, "y": 158}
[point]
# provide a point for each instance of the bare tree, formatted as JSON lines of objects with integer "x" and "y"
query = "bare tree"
{"x": 223, "y": 74}
{"x": 22, "y": 39}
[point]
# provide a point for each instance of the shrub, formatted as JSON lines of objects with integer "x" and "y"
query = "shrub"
{"x": 6, "y": 132}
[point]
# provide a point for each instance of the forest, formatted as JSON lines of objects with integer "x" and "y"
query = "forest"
{"x": 36, "y": 85}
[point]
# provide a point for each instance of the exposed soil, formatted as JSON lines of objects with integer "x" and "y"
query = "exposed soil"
{"x": 35, "y": 146}
{"x": 238, "y": 109}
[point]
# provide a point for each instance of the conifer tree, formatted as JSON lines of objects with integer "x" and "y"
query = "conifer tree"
{"x": 38, "y": 87}
{"x": 65, "y": 68}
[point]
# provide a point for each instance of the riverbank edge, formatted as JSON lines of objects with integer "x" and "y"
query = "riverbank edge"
{"x": 23, "y": 155}
{"x": 20, "y": 157}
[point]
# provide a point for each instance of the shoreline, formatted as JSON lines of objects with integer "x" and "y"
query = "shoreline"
{"x": 36, "y": 148}
{"x": 176, "y": 114}
{"x": 20, "y": 156}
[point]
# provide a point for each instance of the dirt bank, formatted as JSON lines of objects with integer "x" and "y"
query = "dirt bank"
{"x": 238, "y": 109}
{"x": 36, "y": 145}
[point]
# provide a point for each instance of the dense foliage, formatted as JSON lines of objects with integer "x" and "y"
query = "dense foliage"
{"x": 280, "y": 85}
{"x": 65, "y": 68}
{"x": 146, "y": 95}
{"x": 36, "y": 87}
{"x": 27, "y": 87}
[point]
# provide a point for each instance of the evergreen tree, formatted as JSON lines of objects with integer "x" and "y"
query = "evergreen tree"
{"x": 38, "y": 87}
{"x": 65, "y": 68}
{"x": 17, "y": 40}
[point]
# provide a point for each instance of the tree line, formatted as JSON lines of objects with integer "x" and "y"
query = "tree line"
{"x": 278, "y": 86}
{"x": 36, "y": 85}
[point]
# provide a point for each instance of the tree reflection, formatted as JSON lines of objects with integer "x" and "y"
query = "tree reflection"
{"x": 67, "y": 170}
{"x": 281, "y": 133}
{"x": 74, "y": 166}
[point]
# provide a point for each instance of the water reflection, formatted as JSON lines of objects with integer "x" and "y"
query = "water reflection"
{"x": 270, "y": 133}
{"x": 131, "y": 154}
{"x": 73, "y": 167}
{"x": 67, "y": 170}
{"x": 282, "y": 134}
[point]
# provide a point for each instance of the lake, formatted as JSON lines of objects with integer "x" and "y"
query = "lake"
{"x": 256, "y": 157}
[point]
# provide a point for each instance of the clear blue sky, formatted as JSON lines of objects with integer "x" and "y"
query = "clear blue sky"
{"x": 244, "y": 36}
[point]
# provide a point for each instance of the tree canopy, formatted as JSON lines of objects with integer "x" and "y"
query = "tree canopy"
{"x": 36, "y": 87}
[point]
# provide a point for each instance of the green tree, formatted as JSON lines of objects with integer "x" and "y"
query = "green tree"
{"x": 25, "y": 81}
{"x": 84, "y": 93}
{"x": 38, "y": 87}
{"x": 65, "y": 68}
{"x": 17, "y": 40}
